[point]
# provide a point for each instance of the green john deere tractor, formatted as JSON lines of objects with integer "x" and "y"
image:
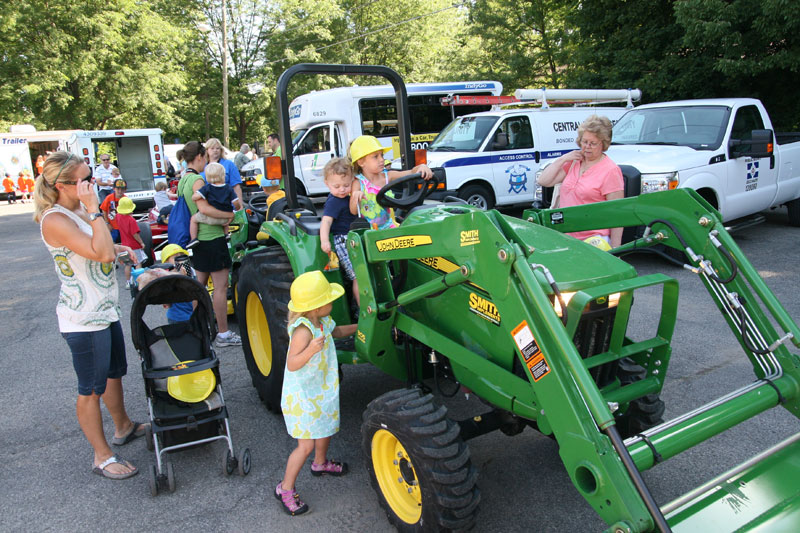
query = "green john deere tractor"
{"x": 535, "y": 324}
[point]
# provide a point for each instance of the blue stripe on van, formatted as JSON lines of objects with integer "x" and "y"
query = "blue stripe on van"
{"x": 488, "y": 159}
{"x": 469, "y": 86}
{"x": 556, "y": 153}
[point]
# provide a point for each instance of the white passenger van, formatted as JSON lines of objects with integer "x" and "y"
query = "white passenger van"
{"x": 138, "y": 153}
{"x": 492, "y": 157}
{"x": 324, "y": 123}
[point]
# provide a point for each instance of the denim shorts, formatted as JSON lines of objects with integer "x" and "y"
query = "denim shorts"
{"x": 97, "y": 356}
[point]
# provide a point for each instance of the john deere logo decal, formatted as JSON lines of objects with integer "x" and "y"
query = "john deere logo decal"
{"x": 401, "y": 243}
{"x": 484, "y": 308}
{"x": 470, "y": 237}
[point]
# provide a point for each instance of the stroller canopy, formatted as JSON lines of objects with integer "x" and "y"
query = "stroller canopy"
{"x": 169, "y": 290}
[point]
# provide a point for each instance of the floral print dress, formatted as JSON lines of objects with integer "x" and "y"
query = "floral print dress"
{"x": 310, "y": 396}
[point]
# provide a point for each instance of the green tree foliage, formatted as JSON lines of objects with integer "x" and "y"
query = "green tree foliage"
{"x": 522, "y": 43}
{"x": 89, "y": 64}
{"x": 635, "y": 45}
{"x": 753, "y": 46}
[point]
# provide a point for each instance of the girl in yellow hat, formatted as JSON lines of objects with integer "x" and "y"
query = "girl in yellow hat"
{"x": 310, "y": 396}
{"x": 366, "y": 153}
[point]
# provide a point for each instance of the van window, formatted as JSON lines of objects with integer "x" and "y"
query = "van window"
{"x": 518, "y": 133}
{"x": 747, "y": 119}
{"x": 317, "y": 140}
{"x": 428, "y": 115}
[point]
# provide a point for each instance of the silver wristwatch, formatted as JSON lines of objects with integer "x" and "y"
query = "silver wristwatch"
{"x": 94, "y": 216}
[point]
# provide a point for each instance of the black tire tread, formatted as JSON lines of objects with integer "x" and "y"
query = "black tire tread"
{"x": 268, "y": 273}
{"x": 440, "y": 457}
{"x": 642, "y": 413}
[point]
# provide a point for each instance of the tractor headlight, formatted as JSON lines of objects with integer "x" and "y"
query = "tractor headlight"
{"x": 612, "y": 300}
{"x": 665, "y": 181}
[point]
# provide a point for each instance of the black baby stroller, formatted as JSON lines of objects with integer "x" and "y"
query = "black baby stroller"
{"x": 181, "y": 377}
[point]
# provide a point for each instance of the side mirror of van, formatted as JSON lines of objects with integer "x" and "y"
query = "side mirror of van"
{"x": 759, "y": 144}
{"x": 500, "y": 141}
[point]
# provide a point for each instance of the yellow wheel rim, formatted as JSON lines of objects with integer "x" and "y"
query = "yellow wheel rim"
{"x": 258, "y": 334}
{"x": 396, "y": 476}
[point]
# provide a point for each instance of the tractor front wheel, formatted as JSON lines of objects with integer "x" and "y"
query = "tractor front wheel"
{"x": 262, "y": 292}
{"x": 418, "y": 464}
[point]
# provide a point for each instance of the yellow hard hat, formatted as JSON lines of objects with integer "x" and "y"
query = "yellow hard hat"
{"x": 192, "y": 388}
{"x": 125, "y": 206}
{"x": 311, "y": 291}
{"x": 598, "y": 241}
{"x": 170, "y": 250}
{"x": 365, "y": 145}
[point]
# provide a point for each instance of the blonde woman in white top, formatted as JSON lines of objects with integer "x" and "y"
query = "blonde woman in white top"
{"x": 77, "y": 238}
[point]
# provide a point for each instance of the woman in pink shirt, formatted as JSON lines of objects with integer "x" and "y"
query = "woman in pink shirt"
{"x": 588, "y": 175}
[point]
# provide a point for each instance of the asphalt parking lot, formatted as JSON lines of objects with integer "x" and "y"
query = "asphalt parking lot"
{"x": 46, "y": 482}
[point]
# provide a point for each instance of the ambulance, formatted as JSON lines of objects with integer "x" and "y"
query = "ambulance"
{"x": 492, "y": 157}
{"x": 138, "y": 153}
{"x": 324, "y": 123}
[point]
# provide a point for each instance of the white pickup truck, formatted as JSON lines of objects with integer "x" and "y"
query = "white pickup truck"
{"x": 725, "y": 149}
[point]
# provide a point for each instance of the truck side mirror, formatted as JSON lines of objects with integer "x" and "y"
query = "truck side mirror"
{"x": 500, "y": 141}
{"x": 760, "y": 144}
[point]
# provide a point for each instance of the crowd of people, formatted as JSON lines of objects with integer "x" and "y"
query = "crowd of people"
{"x": 86, "y": 230}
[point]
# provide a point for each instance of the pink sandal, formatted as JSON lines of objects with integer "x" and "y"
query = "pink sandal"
{"x": 329, "y": 467}
{"x": 292, "y": 504}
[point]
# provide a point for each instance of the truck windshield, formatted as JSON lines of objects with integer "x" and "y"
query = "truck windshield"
{"x": 465, "y": 134}
{"x": 698, "y": 127}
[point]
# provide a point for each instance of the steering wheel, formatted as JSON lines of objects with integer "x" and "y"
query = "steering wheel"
{"x": 415, "y": 191}
{"x": 258, "y": 203}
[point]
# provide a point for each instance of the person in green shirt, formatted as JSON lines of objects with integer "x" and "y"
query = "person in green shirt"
{"x": 210, "y": 256}
{"x": 274, "y": 144}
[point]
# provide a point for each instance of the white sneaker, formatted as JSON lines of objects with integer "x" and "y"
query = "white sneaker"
{"x": 231, "y": 339}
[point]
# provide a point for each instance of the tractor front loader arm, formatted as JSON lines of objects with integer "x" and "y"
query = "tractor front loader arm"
{"x": 556, "y": 390}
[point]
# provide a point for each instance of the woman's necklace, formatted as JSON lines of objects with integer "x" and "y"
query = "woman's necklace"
{"x": 585, "y": 165}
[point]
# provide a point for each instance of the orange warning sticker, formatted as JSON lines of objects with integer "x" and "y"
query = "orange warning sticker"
{"x": 524, "y": 340}
{"x": 538, "y": 367}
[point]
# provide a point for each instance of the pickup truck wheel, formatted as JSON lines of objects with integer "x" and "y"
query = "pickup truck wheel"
{"x": 642, "y": 413}
{"x": 418, "y": 464}
{"x": 793, "y": 208}
{"x": 477, "y": 195}
{"x": 262, "y": 299}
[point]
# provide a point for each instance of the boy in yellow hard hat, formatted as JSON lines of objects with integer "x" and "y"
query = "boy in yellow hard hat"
{"x": 129, "y": 234}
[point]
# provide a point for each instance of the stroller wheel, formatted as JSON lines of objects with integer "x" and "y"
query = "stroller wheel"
{"x": 243, "y": 458}
{"x": 228, "y": 464}
{"x": 170, "y": 477}
{"x": 148, "y": 437}
{"x": 153, "y": 481}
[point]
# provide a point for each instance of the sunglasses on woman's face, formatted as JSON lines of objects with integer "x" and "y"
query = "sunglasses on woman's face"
{"x": 73, "y": 182}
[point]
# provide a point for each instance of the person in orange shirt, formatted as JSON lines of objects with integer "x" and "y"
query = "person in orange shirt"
{"x": 23, "y": 187}
{"x": 8, "y": 185}
{"x": 39, "y": 165}
{"x": 109, "y": 208}
{"x": 30, "y": 182}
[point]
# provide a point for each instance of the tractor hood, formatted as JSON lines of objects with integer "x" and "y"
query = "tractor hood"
{"x": 574, "y": 264}
{"x": 654, "y": 159}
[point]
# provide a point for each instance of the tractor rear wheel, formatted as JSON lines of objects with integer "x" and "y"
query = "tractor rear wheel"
{"x": 418, "y": 464}
{"x": 262, "y": 290}
{"x": 642, "y": 413}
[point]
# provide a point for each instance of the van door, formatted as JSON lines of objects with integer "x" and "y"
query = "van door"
{"x": 751, "y": 184}
{"x": 514, "y": 166}
{"x": 318, "y": 146}
{"x": 134, "y": 163}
